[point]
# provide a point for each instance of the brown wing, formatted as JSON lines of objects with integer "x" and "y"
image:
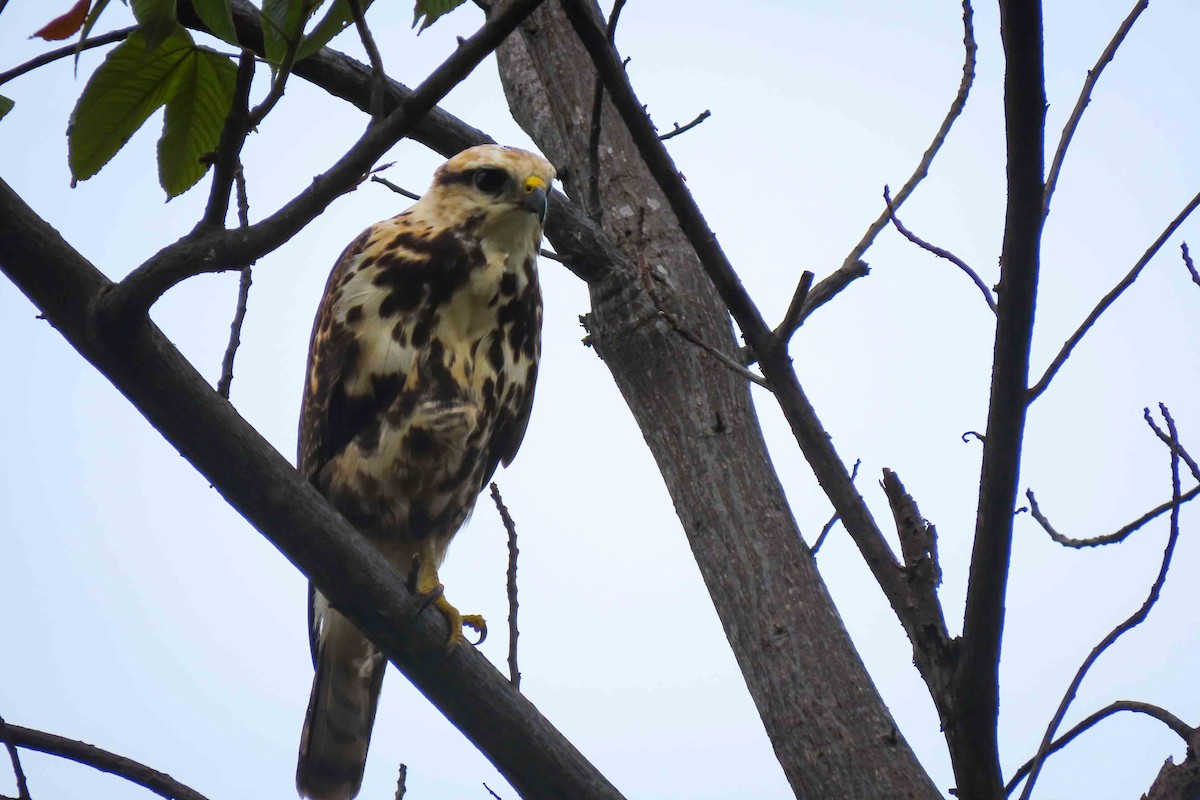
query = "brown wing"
{"x": 521, "y": 323}
{"x": 332, "y": 349}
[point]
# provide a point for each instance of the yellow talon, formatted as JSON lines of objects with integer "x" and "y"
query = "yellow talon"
{"x": 427, "y": 584}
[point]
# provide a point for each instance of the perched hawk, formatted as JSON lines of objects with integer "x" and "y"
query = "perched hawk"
{"x": 420, "y": 380}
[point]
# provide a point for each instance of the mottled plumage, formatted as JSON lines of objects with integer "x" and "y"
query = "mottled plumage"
{"x": 420, "y": 381}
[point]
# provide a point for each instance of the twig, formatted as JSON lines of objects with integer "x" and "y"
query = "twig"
{"x": 395, "y": 188}
{"x": 594, "y": 209}
{"x": 217, "y": 251}
{"x": 1111, "y": 298}
{"x": 160, "y": 783}
{"x": 227, "y": 164}
{"x": 1191, "y": 265}
{"x": 401, "y": 782}
{"x": 11, "y": 747}
{"x": 1085, "y": 97}
{"x": 678, "y": 327}
{"x": 833, "y": 520}
{"x": 64, "y": 52}
{"x": 705, "y": 114}
{"x": 1171, "y": 441}
{"x": 239, "y": 314}
{"x": 813, "y": 298}
{"x": 489, "y": 791}
{"x": 938, "y": 251}
{"x": 514, "y": 674}
{"x": 1119, "y": 535}
{"x": 378, "y": 76}
{"x": 793, "y": 317}
{"x": 284, "y": 71}
{"x": 939, "y": 138}
{"x": 1161, "y": 714}
{"x": 1133, "y": 621}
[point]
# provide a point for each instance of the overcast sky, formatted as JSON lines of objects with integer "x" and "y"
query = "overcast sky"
{"x": 143, "y": 615}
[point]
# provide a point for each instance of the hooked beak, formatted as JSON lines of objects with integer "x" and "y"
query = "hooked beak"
{"x": 535, "y": 197}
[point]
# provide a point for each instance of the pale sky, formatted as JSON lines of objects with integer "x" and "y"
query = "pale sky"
{"x": 143, "y": 615}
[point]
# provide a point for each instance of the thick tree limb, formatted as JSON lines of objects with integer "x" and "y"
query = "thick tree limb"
{"x": 971, "y": 734}
{"x": 258, "y": 482}
{"x": 697, "y": 418}
{"x": 149, "y": 778}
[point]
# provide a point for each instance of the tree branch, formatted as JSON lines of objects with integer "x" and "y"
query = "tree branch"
{"x": 939, "y": 252}
{"x": 1134, "y": 619}
{"x": 7, "y": 734}
{"x": 215, "y": 251}
{"x": 63, "y": 52}
{"x": 939, "y": 138}
{"x": 160, "y": 783}
{"x": 261, "y": 485}
{"x": 1110, "y": 538}
{"x": 510, "y": 527}
{"x": 1161, "y": 714}
{"x": 1085, "y": 97}
{"x": 1111, "y": 298}
{"x": 703, "y": 115}
{"x": 972, "y": 733}
{"x": 378, "y": 76}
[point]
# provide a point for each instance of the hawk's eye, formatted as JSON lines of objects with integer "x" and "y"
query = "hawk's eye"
{"x": 490, "y": 180}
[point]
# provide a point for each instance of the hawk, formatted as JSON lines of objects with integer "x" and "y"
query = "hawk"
{"x": 420, "y": 381}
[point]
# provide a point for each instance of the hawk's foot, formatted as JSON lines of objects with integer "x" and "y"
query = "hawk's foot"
{"x": 429, "y": 587}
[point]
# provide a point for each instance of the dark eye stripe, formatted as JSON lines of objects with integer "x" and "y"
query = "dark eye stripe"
{"x": 490, "y": 180}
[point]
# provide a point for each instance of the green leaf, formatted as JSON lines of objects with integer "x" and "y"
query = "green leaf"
{"x": 123, "y": 92}
{"x": 88, "y": 24}
{"x": 218, "y": 18}
{"x": 195, "y": 115}
{"x": 336, "y": 19}
{"x": 155, "y": 19}
{"x": 431, "y": 10}
{"x": 6, "y": 105}
{"x": 283, "y": 22}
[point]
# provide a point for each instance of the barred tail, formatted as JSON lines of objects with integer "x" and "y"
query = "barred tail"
{"x": 341, "y": 711}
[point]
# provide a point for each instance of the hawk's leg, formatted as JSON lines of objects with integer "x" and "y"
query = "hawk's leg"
{"x": 428, "y": 585}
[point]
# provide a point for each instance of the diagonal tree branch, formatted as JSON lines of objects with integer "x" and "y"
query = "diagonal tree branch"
{"x": 149, "y": 778}
{"x": 10, "y": 745}
{"x": 1173, "y": 722}
{"x": 1085, "y": 97}
{"x": 1119, "y": 535}
{"x": 258, "y": 482}
{"x": 1111, "y": 298}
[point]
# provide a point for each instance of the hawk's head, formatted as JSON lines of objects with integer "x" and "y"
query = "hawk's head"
{"x": 505, "y": 188}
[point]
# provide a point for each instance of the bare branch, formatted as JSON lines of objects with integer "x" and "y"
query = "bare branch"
{"x": 973, "y": 745}
{"x": 1133, "y": 621}
{"x": 705, "y": 114}
{"x": 939, "y": 138}
{"x": 160, "y": 783}
{"x": 10, "y": 744}
{"x": 594, "y": 208}
{"x": 1171, "y": 440}
{"x": 215, "y": 251}
{"x": 833, "y": 520}
{"x": 239, "y": 314}
{"x": 227, "y": 163}
{"x": 514, "y": 674}
{"x": 65, "y": 52}
{"x": 1085, "y": 97}
{"x": 378, "y": 76}
{"x": 1191, "y": 265}
{"x": 1111, "y": 298}
{"x": 938, "y": 251}
{"x": 395, "y": 188}
{"x": 1161, "y": 714}
{"x": 1111, "y": 538}
{"x": 402, "y": 782}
